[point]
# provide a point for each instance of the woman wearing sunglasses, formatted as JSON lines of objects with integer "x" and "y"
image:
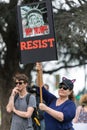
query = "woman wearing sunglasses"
{"x": 59, "y": 112}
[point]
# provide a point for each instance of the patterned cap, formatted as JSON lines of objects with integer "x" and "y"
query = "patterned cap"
{"x": 67, "y": 82}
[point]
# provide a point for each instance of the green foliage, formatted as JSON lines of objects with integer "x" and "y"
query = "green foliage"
{"x": 70, "y": 27}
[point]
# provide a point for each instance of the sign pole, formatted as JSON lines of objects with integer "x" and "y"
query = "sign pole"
{"x": 39, "y": 78}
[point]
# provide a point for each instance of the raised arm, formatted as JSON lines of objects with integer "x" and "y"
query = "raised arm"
{"x": 10, "y": 104}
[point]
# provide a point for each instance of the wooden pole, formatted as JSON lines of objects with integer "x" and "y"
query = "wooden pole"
{"x": 39, "y": 78}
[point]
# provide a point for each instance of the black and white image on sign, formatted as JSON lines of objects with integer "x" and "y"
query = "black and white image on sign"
{"x": 34, "y": 20}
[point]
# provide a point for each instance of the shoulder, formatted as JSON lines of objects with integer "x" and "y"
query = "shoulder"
{"x": 79, "y": 108}
{"x": 70, "y": 103}
{"x": 31, "y": 96}
{"x": 32, "y": 100}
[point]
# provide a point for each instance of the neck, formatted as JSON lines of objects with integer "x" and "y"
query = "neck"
{"x": 23, "y": 93}
{"x": 63, "y": 98}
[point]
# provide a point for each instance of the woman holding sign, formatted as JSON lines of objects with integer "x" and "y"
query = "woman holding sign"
{"x": 59, "y": 112}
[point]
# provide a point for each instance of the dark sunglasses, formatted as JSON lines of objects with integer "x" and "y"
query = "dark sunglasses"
{"x": 20, "y": 83}
{"x": 63, "y": 86}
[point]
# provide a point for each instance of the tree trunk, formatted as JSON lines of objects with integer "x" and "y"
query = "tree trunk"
{"x": 4, "y": 95}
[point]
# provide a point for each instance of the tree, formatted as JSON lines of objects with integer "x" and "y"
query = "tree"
{"x": 9, "y": 54}
{"x": 70, "y": 29}
{"x": 71, "y": 33}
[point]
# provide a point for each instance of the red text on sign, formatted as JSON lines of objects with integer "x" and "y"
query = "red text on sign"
{"x": 37, "y": 44}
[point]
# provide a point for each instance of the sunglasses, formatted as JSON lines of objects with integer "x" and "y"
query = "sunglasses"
{"x": 63, "y": 86}
{"x": 20, "y": 83}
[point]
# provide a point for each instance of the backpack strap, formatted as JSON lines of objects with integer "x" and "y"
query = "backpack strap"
{"x": 16, "y": 96}
{"x": 27, "y": 98}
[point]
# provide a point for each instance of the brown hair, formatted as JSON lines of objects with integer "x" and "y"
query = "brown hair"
{"x": 71, "y": 96}
{"x": 20, "y": 76}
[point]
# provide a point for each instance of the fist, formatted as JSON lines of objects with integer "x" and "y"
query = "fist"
{"x": 42, "y": 106}
{"x": 38, "y": 66}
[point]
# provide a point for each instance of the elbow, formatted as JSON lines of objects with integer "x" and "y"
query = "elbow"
{"x": 61, "y": 118}
{"x": 8, "y": 110}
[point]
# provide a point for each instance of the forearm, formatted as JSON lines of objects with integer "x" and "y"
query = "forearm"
{"x": 10, "y": 104}
{"x": 56, "y": 114}
{"x": 24, "y": 114}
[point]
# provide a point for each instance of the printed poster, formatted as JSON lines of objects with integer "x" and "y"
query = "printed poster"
{"x": 36, "y": 32}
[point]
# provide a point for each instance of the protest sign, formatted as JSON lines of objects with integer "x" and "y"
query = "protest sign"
{"x": 36, "y": 32}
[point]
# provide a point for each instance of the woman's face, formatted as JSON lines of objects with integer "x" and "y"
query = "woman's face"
{"x": 63, "y": 91}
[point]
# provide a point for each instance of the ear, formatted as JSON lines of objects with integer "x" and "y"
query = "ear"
{"x": 73, "y": 80}
{"x": 64, "y": 78}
